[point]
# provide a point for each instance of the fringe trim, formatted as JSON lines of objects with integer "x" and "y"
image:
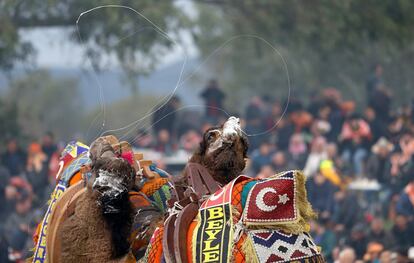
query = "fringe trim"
{"x": 249, "y": 251}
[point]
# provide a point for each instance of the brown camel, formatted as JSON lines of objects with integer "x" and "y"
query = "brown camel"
{"x": 99, "y": 228}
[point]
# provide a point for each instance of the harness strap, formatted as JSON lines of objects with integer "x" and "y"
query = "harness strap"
{"x": 168, "y": 239}
{"x": 182, "y": 224}
{"x": 185, "y": 204}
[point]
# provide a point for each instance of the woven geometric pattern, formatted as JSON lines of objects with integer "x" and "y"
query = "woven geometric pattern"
{"x": 154, "y": 251}
{"x": 151, "y": 186}
{"x": 276, "y": 246}
{"x": 161, "y": 196}
{"x": 74, "y": 167}
{"x": 236, "y": 199}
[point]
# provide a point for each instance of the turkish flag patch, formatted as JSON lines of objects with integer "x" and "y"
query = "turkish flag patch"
{"x": 271, "y": 201}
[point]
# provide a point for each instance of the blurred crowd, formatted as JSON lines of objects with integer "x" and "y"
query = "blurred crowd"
{"x": 358, "y": 160}
{"x": 27, "y": 178}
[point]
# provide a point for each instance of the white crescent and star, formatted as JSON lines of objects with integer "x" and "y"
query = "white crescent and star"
{"x": 283, "y": 199}
{"x": 260, "y": 199}
{"x": 260, "y": 202}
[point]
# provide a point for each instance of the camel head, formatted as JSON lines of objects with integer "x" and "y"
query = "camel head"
{"x": 223, "y": 151}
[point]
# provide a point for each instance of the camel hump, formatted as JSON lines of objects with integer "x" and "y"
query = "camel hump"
{"x": 64, "y": 208}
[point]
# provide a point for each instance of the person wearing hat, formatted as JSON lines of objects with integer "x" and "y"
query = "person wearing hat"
{"x": 377, "y": 162}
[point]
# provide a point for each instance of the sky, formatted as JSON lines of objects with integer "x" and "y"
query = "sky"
{"x": 55, "y": 48}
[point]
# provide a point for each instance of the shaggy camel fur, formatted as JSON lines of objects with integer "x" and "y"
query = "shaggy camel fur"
{"x": 99, "y": 229}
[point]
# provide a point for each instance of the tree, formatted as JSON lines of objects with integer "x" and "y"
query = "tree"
{"x": 119, "y": 32}
{"x": 38, "y": 103}
{"x": 326, "y": 43}
{"x": 9, "y": 126}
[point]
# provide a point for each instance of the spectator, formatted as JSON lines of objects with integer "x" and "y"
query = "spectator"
{"x": 403, "y": 232}
{"x": 321, "y": 195}
{"x": 325, "y": 237}
{"x": 49, "y": 146}
{"x": 347, "y": 255}
{"x": 380, "y": 101}
{"x": 386, "y": 257}
{"x": 378, "y": 127}
{"x": 378, "y": 234}
{"x": 284, "y": 130}
{"x": 405, "y": 203}
{"x": 346, "y": 210}
{"x": 331, "y": 111}
{"x": 14, "y": 159}
{"x": 373, "y": 252}
{"x": 17, "y": 226}
{"x": 316, "y": 156}
{"x": 213, "y": 97}
{"x": 379, "y": 98}
{"x": 190, "y": 140}
{"x": 358, "y": 240}
{"x": 261, "y": 157}
{"x": 320, "y": 128}
{"x": 165, "y": 117}
{"x": 355, "y": 137}
{"x": 301, "y": 119}
{"x": 402, "y": 164}
{"x": 376, "y": 165}
{"x": 265, "y": 172}
{"x": 143, "y": 140}
{"x": 274, "y": 117}
{"x": 297, "y": 150}
{"x": 329, "y": 167}
{"x": 375, "y": 79}
{"x": 164, "y": 143}
{"x": 54, "y": 163}
{"x": 37, "y": 168}
{"x": 279, "y": 161}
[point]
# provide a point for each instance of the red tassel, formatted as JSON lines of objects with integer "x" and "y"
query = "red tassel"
{"x": 128, "y": 156}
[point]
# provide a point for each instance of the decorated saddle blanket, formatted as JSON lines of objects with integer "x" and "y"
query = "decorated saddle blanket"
{"x": 73, "y": 157}
{"x": 249, "y": 220}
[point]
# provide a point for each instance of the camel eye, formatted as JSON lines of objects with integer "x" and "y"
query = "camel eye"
{"x": 211, "y": 135}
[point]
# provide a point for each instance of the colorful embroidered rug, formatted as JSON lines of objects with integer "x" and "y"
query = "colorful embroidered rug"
{"x": 73, "y": 157}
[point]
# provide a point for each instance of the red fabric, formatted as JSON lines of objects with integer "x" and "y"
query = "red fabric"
{"x": 129, "y": 157}
{"x": 271, "y": 201}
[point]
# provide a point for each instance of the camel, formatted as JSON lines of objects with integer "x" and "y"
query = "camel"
{"x": 218, "y": 215}
{"x": 99, "y": 228}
